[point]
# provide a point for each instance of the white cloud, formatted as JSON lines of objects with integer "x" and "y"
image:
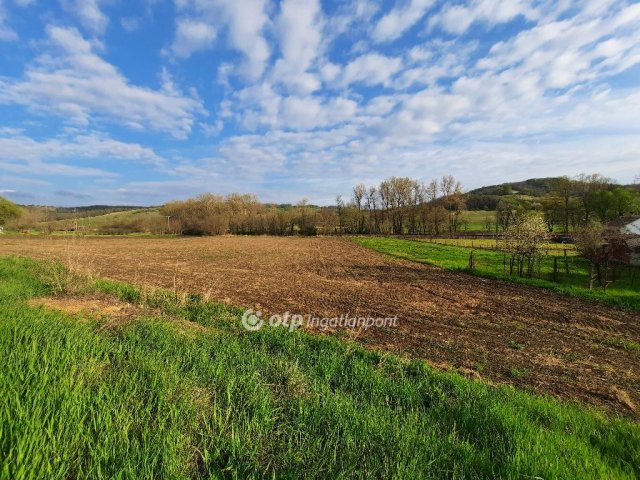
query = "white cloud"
{"x": 299, "y": 28}
{"x": 244, "y": 23}
{"x": 130, "y": 24}
{"x": 457, "y": 19}
{"x": 311, "y": 97}
{"x": 86, "y": 146}
{"x": 463, "y": 101}
{"x": 371, "y": 69}
{"x": 261, "y": 106}
{"x": 426, "y": 64}
{"x": 572, "y": 51}
{"x": 89, "y": 14}
{"x": 59, "y": 156}
{"x": 247, "y": 21}
{"x": 192, "y": 36}
{"x": 399, "y": 19}
{"x": 6, "y": 32}
{"x": 307, "y": 113}
{"x": 75, "y": 83}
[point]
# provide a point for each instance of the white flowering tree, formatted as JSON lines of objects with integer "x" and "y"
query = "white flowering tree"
{"x": 524, "y": 239}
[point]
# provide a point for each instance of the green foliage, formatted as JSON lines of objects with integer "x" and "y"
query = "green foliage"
{"x": 8, "y": 211}
{"x": 567, "y": 203}
{"x": 151, "y": 400}
{"x": 510, "y": 211}
{"x": 534, "y": 187}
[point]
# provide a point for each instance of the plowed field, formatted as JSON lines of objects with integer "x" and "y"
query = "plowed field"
{"x": 502, "y": 332}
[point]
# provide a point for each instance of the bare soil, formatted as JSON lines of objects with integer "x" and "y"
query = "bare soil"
{"x": 505, "y": 333}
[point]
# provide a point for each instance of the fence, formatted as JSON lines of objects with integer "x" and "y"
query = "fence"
{"x": 562, "y": 268}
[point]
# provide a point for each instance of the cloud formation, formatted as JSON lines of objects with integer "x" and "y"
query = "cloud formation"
{"x": 73, "y": 82}
{"x": 304, "y": 97}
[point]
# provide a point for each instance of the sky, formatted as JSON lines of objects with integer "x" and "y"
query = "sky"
{"x": 138, "y": 102}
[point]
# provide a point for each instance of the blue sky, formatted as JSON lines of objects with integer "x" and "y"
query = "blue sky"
{"x": 144, "y": 101}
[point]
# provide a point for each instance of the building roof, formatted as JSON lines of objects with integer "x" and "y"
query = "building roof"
{"x": 628, "y": 225}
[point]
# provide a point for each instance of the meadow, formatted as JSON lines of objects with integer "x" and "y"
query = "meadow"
{"x": 477, "y": 220}
{"x": 177, "y": 389}
{"x": 549, "y": 248}
{"x": 123, "y": 222}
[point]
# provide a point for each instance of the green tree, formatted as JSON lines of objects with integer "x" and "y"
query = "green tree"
{"x": 602, "y": 202}
{"x": 562, "y": 200}
{"x": 509, "y": 210}
{"x": 623, "y": 201}
{"x": 8, "y": 211}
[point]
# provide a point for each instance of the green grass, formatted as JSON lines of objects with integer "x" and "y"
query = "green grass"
{"x": 151, "y": 399}
{"x": 491, "y": 244}
{"x": 622, "y": 293}
{"x": 99, "y": 222}
{"x": 476, "y": 220}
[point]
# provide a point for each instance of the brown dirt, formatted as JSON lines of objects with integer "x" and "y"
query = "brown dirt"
{"x": 88, "y": 306}
{"x": 111, "y": 312}
{"x": 507, "y": 333}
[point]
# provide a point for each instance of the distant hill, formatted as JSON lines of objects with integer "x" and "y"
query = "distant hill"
{"x": 100, "y": 208}
{"x": 146, "y": 219}
{"x": 534, "y": 187}
{"x": 65, "y": 213}
{"x": 487, "y": 198}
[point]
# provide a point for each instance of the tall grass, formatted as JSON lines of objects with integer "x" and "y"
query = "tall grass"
{"x": 622, "y": 293}
{"x": 151, "y": 399}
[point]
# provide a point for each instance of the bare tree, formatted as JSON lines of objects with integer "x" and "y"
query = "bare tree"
{"x": 359, "y": 193}
{"x": 431, "y": 191}
{"x": 452, "y": 200}
{"x": 372, "y": 205}
{"x": 340, "y": 211}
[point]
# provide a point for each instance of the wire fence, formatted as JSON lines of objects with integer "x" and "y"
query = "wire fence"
{"x": 561, "y": 267}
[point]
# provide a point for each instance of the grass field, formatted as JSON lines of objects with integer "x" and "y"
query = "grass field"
{"x": 178, "y": 390}
{"x": 624, "y": 292}
{"x": 550, "y": 248}
{"x": 100, "y": 222}
{"x": 476, "y": 220}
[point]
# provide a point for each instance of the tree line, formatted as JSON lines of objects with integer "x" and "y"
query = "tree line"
{"x": 241, "y": 214}
{"x": 401, "y": 205}
{"x": 397, "y": 205}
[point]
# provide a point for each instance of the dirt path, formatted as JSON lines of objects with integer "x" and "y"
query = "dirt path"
{"x": 507, "y": 333}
